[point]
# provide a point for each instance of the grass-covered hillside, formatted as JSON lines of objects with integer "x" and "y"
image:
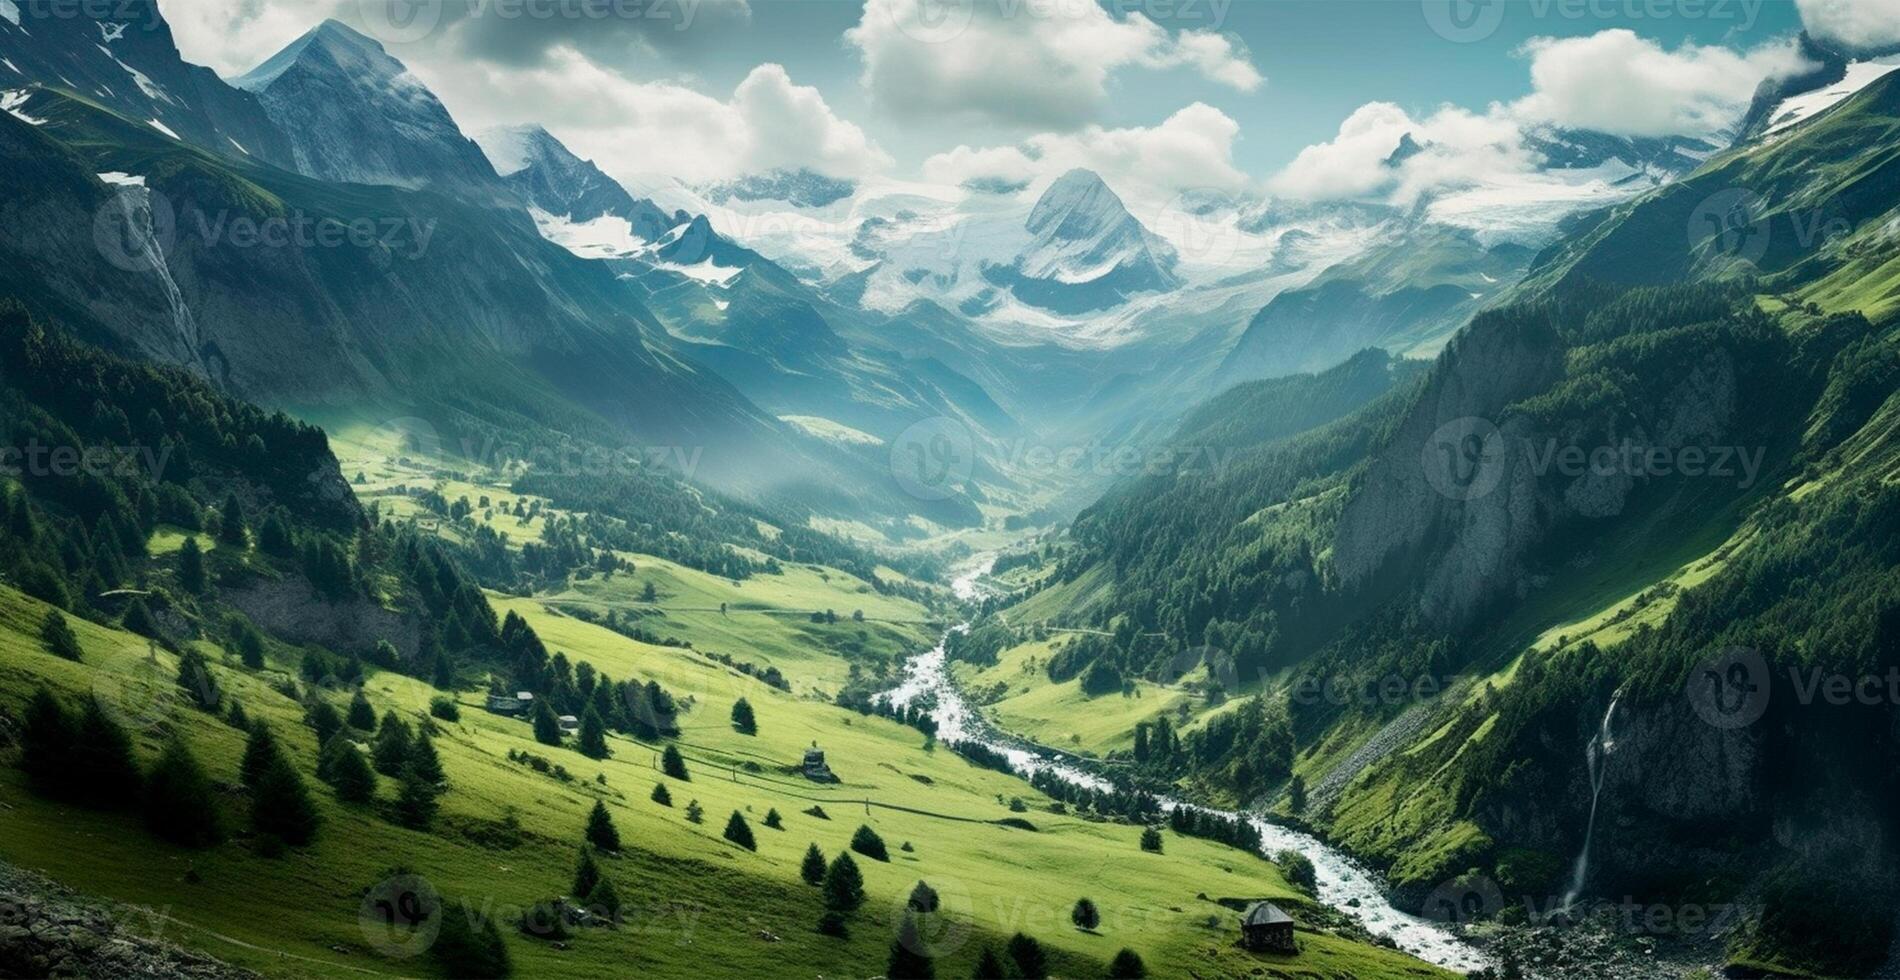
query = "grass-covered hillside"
{"x": 251, "y": 706}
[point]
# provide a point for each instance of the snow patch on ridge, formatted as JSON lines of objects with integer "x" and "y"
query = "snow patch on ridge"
{"x": 13, "y": 99}
{"x": 1807, "y": 105}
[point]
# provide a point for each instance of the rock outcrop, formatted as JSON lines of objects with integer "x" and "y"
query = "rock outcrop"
{"x": 46, "y": 930}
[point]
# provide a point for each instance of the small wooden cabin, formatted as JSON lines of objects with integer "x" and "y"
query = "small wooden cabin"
{"x": 1265, "y": 928}
{"x": 520, "y": 704}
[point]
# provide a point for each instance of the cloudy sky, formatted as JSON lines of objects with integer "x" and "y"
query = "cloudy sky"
{"x": 1294, "y": 98}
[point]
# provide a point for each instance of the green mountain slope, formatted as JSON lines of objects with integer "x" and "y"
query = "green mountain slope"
{"x": 1670, "y": 445}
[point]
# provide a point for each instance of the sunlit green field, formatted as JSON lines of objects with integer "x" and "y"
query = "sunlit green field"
{"x": 1061, "y": 715}
{"x": 697, "y": 895}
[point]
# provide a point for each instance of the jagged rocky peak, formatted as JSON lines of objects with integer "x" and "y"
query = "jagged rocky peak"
{"x": 513, "y": 149}
{"x": 330, "y": 46}
{"x": 1078, "y": 205}
{"x": 1406, "y": 150}
{"x": 354, "y": 113}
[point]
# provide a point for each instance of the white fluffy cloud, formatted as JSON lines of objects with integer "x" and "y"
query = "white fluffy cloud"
{"x": 233, "y": 36}
{"x": 1616, "y": 82}
{"x": 1612, "y": 81}
{"x": 1192, "y": 149}
{"x": 1029, "y": 65}
{"x": 1456, "y": 147}
{"x": 632, "y": 128}
{"x": 1857, "y": 24}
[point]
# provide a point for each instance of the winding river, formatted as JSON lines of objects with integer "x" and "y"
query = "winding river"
{"x": 1341, "y": 881}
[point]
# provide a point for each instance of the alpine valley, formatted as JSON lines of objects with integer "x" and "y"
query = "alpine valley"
{"x": 668, "y": 529}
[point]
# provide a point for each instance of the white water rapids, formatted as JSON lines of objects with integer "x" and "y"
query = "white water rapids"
{"x": 1342, "y": 882}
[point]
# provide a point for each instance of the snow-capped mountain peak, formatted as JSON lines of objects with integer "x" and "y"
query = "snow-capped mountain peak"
{"x": 331, "y": 45}
{"x": 574, "y": 202}
{"x": 354, "y": 113}
{"x": 1087, "y": 252}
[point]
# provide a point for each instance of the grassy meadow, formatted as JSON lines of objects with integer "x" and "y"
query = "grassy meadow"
{"x": 507, "y": 835}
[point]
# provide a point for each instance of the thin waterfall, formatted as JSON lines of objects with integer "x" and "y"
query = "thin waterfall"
{"x": 1596, "y": 755}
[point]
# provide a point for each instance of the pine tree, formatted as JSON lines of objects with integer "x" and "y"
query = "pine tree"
{"x": 58, "y": 637}
{"x": 362, "y": 716}
{"x": 909, "y": 959}
{"x": 1296, "y": 795}
{"x": 866, "y": 842}
{"x": 844, "y": 884}
{"x": 322, "y": 717}
{"x": 547, "y": 728}
{"x": 1031, "y": 962}
{"x": 694, "y": 812}
{"x": 988, "y": 966}
{"x": 391, "y": 750}
{"x": 923, "y": 899}
{"x": 415, "y": 799}
{"x": 281, "y": 806}
{"x": 231, "y": 528}
{"x": 249, "y": 643}
{"x": 178, "y": 799}
{"x": 601, "y": 832}
{"x": 273, "y": 536}
{"x": 107, "y": 775}
{"x": 739, "y": 832}
{"x": 469, "y": 946}
{"x": 660, "y": 795}
{"x": 593, "y": 742}
{"x": 443, "y": 673}
{"x": 138, "y": 619}
{"x": 1085, "y": 915}
{"x": 743, "y": 721}
{"x": 1127, "y": 965}
{"x": 674, "y": 764}
{"x": 191, "y": 567}
{"x": 345, "y": 769}
{"x": 813, "y": 868}
{"x": 604, "y": 899}
{"x": 773, "y": 820}
{"x": 586, "y": 874}
{"x": 1151, "y": 839}
{"x": 47, "y": 738}
{"x": 195, "y": 679}
{"x": 260, "y": 750}
{"x": 423, "y": 758}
